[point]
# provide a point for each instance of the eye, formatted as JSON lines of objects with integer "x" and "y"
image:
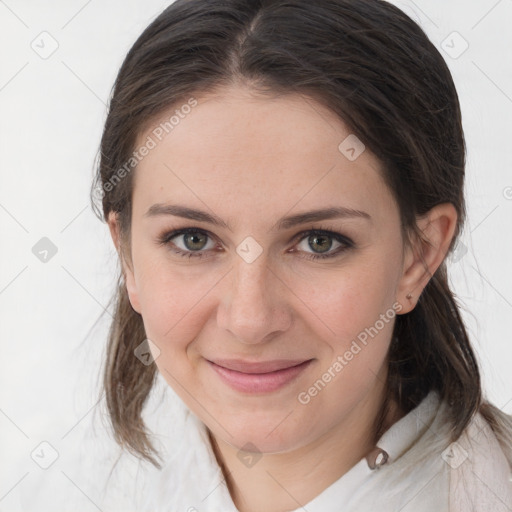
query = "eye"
{"x": 188, "y": 242}
{"x": 322, "y": 243}
{"x": 197, "y": 243}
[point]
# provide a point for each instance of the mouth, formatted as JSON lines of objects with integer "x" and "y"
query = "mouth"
{"x": 258, "y": 377}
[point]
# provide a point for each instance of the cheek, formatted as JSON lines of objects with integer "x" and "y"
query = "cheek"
{"x": 173, "y": 300}
{"x": 355, "y": 311}
{"x": 345, "y": 301}
{"x": 359, "y": 310}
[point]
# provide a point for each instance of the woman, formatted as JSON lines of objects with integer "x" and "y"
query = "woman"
{"x": 283, "y": 182}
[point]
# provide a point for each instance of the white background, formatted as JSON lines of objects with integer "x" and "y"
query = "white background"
{"x": 52, "y": 114}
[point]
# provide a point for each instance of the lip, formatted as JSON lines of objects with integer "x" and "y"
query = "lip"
{"x": 258, "y": 377}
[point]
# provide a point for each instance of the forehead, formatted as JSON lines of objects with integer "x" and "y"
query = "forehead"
{"x": 262, "y": 154}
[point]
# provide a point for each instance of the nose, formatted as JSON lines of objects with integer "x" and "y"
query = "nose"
{"x": 253, "y": 306}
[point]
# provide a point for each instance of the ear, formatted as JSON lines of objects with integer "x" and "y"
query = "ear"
{"x": 424, "y": 256}
{"x": 129, "y": 277}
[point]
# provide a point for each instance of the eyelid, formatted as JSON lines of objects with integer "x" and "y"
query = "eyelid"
{"x": 323, "y": 231}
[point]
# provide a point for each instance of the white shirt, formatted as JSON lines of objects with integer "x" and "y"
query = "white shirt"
{"x": 423, "y": 472}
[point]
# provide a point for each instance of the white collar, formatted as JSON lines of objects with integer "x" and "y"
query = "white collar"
{"x": 192, "y": 478}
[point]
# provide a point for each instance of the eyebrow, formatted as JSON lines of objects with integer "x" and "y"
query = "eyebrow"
{"x": 284, "y": 223}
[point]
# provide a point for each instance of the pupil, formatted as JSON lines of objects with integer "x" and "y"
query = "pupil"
{"x": 323, "y": 241}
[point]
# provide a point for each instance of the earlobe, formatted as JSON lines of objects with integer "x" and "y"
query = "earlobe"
{"x": 426, "y": 253}
{"x": 128, "y": 273}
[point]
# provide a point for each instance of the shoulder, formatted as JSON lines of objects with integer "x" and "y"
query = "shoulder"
{"x": 432, "y": 473}
{"x": 480, "y": 474}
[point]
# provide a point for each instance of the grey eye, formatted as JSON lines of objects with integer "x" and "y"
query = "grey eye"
{"x": 192, "y": 241}
{"x": 318, "y": 243}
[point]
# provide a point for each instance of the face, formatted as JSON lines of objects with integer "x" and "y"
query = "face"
{"x": 271, "y": 323}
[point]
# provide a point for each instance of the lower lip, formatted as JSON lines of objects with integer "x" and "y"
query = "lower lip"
{"x": 259, "y": 382}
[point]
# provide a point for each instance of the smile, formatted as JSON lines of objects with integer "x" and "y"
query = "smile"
{"x": 258, "y": 377}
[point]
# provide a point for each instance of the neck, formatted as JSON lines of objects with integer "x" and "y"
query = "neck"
{"x": 285, "y": 481}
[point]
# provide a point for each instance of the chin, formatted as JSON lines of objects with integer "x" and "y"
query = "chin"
{"x": 265, "y": 434}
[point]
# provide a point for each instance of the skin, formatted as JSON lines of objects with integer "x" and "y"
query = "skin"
{"x": 250, "y": 161}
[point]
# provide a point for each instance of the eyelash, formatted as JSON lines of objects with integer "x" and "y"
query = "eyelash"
{"x": 347, "y": 243}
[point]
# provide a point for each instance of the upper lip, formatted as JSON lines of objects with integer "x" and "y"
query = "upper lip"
{"x": 240, "y": 365}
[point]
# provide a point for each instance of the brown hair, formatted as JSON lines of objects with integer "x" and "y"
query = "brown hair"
{"x": 373, "y": 66}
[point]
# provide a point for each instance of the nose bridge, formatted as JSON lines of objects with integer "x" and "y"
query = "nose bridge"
{"x": 254, "y": 304}
{"x": 250, "y": 283}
